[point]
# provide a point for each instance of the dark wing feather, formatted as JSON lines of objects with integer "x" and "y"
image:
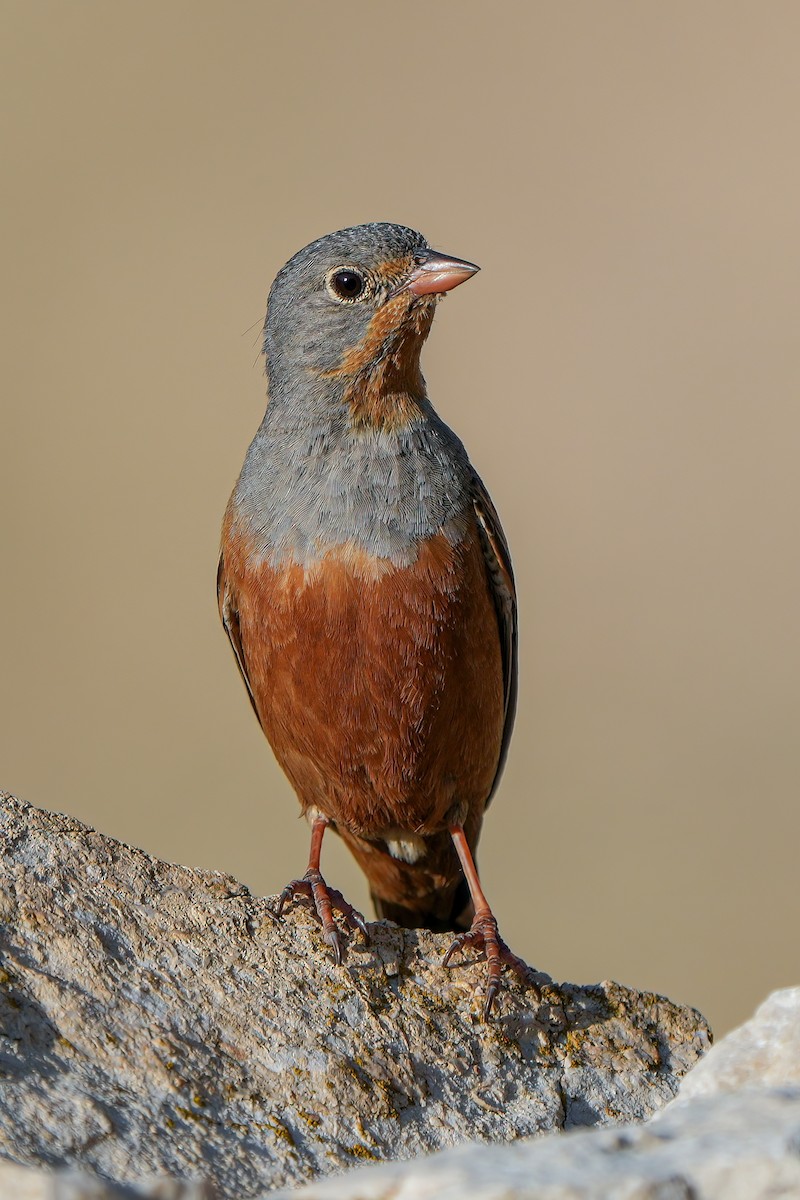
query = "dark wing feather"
{"x": 229, "y": 613}
{"x": 501, "y": 584}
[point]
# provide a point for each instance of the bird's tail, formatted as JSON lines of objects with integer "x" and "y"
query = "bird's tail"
{"x": 457, "y": 919}
{"x": 429, "y": 893}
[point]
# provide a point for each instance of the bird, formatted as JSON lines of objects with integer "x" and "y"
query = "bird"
{"x": 366, "y": 587}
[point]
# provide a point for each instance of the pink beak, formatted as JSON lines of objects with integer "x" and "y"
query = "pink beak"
{"x": 437, "y": 273}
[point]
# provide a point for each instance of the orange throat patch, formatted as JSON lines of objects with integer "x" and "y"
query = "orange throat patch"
{"x": 385, "y": 388}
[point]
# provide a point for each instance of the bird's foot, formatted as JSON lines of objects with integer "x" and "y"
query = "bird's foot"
{"x": 324, "y": 901}
{"x": 483, "y": 935}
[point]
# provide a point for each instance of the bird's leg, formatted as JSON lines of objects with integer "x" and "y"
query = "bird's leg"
{"x": 483, "y": 932}
{"x": 324, "y": 900}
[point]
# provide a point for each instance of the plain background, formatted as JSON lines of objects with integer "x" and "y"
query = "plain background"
{"x": 624, "y": 371}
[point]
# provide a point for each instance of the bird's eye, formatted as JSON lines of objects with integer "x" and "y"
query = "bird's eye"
{"x": 347, "y": 284}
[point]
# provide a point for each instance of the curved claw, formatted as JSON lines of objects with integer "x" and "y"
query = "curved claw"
{"x": 355, "y": 919}
{"x": 483, "y": 935}
{"x": 457, "y": 944}
{"x": 331, "y": 936}
{"x": 324, "y": 901}
{"x": 291, "y": 892}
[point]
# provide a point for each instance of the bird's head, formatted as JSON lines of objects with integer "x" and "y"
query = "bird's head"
{"x": 348, "y": 315}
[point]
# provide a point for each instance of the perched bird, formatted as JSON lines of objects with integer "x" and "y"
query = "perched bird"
{"x": 366, "y": 588}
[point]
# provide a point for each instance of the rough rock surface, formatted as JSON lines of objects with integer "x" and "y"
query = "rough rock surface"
{"x": 158, "y": 1021}
{"x": 765, "y": 1051}
{"x": 738, "y": 1147}
{"x": 28, "y": 1183}
{"x": 742, "y": 1146}
{"x": 732, "y": 1133}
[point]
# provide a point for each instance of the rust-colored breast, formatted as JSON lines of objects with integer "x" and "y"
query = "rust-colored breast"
{"x": 379, "y": 688}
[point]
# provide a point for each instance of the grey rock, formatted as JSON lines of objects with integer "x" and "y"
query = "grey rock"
{"x": 743, "y": 1146}
{"x": 732, "y": 1133}
{"x": 159, "y": 1021}
{"x": 28, "y": 1183}
{"x": 765, "y": 1051}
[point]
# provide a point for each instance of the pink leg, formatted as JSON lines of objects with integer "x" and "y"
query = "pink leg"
{"x": 483, "y": 931}
{"x": 324, "y": 900}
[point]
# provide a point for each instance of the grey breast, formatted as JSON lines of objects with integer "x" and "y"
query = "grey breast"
{"x": 305, "y": 490}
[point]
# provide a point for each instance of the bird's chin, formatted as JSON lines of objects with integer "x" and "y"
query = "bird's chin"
{"x": 418, "y": 317}
{"x": 419, "y": 306}
{"x": 420, "y": 309}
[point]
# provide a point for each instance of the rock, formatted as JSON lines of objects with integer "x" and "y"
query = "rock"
{"x": 159, "y": 1021}
{"x": 735, "y": 1147}
{"x": 27, "y": 1183}
{"x": 731, "y": 1134}
{"x": 765, "y": 1051}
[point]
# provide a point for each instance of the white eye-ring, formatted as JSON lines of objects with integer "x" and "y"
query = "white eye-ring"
{"x": 346, "y": 284}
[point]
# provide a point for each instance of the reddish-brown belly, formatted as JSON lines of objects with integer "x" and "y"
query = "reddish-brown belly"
{"x": 379, "y": 688}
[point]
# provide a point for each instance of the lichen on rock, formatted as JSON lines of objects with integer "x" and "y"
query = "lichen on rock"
{"x": 157, "y": 1021}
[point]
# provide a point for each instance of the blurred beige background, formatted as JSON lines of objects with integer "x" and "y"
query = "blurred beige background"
{"x": 625, "y": 372}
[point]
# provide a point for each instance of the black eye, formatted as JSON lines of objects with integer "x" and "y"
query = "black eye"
{"x": 347, "y": 284}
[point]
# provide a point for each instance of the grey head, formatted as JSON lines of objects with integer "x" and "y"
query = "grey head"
{"x": 350, "y": 449}
{"x": 323, "y": 299}
{"x": 326, "y": 299}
